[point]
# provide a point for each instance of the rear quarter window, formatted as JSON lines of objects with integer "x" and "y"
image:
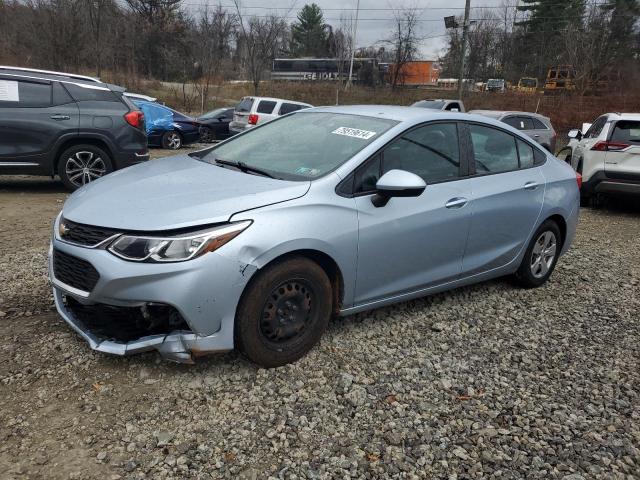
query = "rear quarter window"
{"x": 538, "y": 125}
{"x": 289, "y": 107}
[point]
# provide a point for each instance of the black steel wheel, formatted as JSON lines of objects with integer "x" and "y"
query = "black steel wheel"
{"x": 283, "y": 312}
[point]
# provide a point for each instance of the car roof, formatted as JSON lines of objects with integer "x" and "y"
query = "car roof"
{"x": 400, "y": 114}
{"x": 274, "y": 99}
{"x": 80, "y": 80}
{"x": 625, "y": 116}
{"x": 501, "y": 113}
{"x": 50, "y": 73}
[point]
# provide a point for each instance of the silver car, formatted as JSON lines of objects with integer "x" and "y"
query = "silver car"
{"x": 536, "y": 126}
{"x": 256, "y": 242}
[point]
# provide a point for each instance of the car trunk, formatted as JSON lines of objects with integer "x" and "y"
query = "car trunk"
{"x": 242, "y": 111}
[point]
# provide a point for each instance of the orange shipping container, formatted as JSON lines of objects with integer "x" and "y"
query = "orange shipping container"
{"x": 419, "y": 72}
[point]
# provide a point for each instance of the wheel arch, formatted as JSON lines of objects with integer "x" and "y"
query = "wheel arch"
{"x": 324, "y": 260}
{"x": 96, "y": 142}
{"x": 562, "y": 225}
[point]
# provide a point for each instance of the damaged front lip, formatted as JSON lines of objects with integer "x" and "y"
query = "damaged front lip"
{"x": 177, "y": 346}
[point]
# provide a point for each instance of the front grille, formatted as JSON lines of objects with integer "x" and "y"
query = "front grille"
{"x": 125, "y": 324}
{"x": 86, "y": 235}
{"x": 73, "y": 271}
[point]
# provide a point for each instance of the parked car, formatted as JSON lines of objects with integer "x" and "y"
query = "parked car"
{"x": 215, "y": 124}
{"x": 441, "y": 104}
{"x": 255, "y": 242}
{"x": 607, "y": 155}
{"x": 139, "y": 96}
{"x": 65, "y": 124}
{"x": 536, "y": 126}
{"x": 252, "y": 111}
{"x": 168, "y": 128}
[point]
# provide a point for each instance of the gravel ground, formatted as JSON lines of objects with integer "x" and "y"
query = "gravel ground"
{"x": 488, "y": 381}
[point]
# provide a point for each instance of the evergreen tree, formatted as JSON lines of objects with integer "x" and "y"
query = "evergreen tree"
{"x": 309, "y": 35}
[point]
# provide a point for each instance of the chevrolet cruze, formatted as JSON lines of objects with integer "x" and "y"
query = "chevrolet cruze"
{"x": 256, "y": 242}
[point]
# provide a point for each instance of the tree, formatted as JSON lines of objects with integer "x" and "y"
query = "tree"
{"x": 340, "y": 45}
{"x": 404, "y": 41}
{"x": 309, "y": 34}
{"x": 261, "y": 39}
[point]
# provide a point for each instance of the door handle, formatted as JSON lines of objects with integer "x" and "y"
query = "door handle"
{"x": 536, "y": 136}
{"x": 456, "y": 202}
{"x": 531, "y": 185}
{"x": 60, "y": 117}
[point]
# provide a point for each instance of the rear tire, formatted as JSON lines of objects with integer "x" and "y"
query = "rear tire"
{"x": 82, "y": 164}
{"x": 171, "y": 140}
{"x": 283, "y": 312}
{"x": 541, "y": 256}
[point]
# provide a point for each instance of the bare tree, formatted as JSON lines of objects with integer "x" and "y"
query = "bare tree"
{"x": 262, "y": 39}
{"x": 404, "y": 41}
{"x": 97, "y": 10}
{"x": 212, "y": 46}
{"x": 340, "y": 45}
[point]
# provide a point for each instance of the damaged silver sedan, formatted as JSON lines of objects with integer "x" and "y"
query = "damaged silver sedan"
{"x": 254, "y": 243}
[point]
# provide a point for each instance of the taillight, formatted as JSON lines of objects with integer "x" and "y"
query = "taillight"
{"x": 135, "y": 118}
{"x": 609, "y": 146}
{"x": 579, "y": 180}
{"x": 253, "y": 119}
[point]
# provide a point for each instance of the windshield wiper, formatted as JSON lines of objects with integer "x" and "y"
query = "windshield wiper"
{"x": 243, "y": 167}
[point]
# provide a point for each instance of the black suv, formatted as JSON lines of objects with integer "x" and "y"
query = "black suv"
{"x": 70, "y": 125}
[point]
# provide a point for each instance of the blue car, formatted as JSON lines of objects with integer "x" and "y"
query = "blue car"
{"x": 167, "y": 128}
{"x": 256, "y": 242}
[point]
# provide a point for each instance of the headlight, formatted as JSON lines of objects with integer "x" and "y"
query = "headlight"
{"x": 178, "y": 248}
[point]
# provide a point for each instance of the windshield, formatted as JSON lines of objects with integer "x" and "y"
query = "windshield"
{"x": 435, "y": 104}
{"x": 528, "y": 82}
{"x": 302, "y": 146}
{"x": 495, "y": 83}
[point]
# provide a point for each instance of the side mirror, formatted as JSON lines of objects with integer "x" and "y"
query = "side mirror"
{"x": 397, "y": 183}
{"x": 575, "y": 133}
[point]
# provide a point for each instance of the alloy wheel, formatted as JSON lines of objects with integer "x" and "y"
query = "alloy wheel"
{"x": 287, "y": 312}
{"x": 543, "y": 254}
{"x": 173, "y": 141}
{"x": 84, "y": 167}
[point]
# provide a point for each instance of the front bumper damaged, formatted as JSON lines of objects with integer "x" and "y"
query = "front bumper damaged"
{"x": 204, "y": 294}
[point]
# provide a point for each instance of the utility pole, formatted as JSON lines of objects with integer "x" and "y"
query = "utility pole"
{"x": 465, "y": 33}
{"x": 353, "y": 45}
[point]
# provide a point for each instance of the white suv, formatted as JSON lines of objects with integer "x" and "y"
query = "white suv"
{"x": 607, "y": 155}
{"x": 252, "y": 111}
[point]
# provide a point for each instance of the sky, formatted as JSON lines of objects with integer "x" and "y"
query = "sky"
{"x": 375, "y": 18}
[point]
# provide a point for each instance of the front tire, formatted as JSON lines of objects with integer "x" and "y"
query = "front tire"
{"x": 283, "y": 312}
{"x": 171, "y": 140}
{"x": 82, "y": 164}
{"x": 207, "y": 135}
{"x": 541, "y": 256}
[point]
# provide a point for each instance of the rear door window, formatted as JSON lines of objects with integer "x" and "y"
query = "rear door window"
{"x": 88, "y": 94}
{"x": 266, "y": 106}
{"x": 626, "y": 131}
{"x": 60, "y": 95}
{"x": 526, "y": 122}
{"x": 289, "y": 107}
{"x": 494, "y": 151}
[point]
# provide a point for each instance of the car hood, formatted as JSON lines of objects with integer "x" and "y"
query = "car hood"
{"x": 174, "y": 192}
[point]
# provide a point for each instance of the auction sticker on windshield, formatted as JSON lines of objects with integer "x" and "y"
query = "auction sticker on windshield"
{"x": 354, "y": 132}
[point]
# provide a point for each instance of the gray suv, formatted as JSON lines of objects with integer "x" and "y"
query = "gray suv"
{"x": 536, "y": 126}
{"x": 70, "y": 125}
